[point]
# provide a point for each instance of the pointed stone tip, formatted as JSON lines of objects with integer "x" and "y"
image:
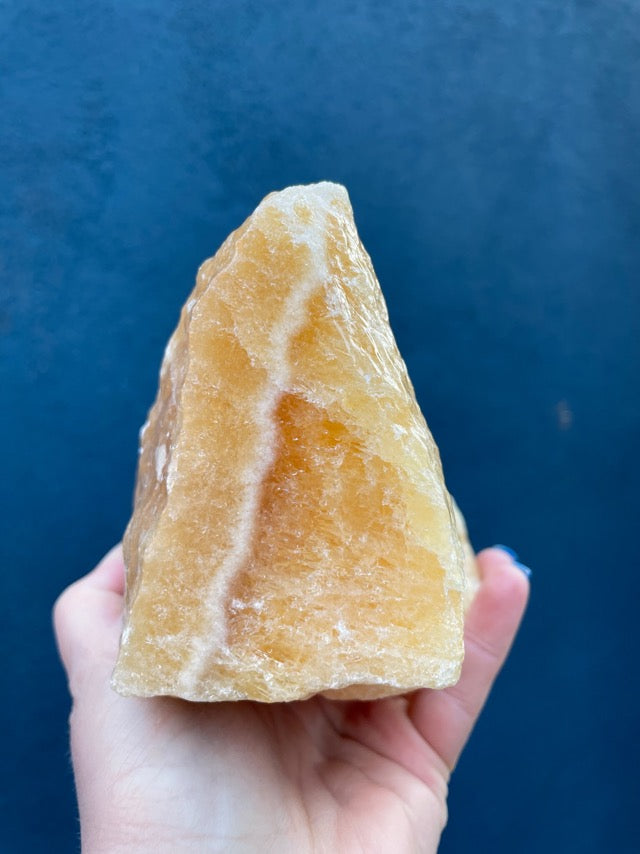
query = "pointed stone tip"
{"x": 320, "y": 193}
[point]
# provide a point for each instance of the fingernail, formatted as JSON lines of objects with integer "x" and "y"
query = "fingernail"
{"x": 506, "y": 549}
{"x": 522, "y": 568}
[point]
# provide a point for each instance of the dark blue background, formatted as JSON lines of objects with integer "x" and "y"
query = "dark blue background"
{"x": 491, "y": 151}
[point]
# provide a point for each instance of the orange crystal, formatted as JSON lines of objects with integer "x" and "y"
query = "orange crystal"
{"x": 292, "y": 532}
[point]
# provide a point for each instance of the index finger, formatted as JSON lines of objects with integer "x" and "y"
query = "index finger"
{"x": 445, "y": 718}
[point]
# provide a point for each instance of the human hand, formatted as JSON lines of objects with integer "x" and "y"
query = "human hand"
{"x": 165, "y": 775}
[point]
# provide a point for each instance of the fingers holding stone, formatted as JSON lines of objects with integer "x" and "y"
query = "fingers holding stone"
{"x": 445, "y": 718}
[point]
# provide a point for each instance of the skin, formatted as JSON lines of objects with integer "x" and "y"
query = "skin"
{"x": 164, "y": 775}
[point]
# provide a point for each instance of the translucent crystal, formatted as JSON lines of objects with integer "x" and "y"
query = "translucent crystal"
{"x": 292, "y": 532}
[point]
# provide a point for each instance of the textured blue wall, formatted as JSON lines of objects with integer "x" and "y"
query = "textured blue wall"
{"x": 492, "y": 153}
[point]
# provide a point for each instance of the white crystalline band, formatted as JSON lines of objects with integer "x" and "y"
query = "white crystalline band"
{"x": 291, "y": 321}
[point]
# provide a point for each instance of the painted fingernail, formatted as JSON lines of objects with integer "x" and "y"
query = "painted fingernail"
{"x": 522, "y": 568}
{"x": 506, "y": 549}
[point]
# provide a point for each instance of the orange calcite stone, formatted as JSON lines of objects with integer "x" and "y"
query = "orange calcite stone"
{"x": 292, "y": 532}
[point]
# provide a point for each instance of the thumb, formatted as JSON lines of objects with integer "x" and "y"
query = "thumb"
{"x": 87, "y": 621}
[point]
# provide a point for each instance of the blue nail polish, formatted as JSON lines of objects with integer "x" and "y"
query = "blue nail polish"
{"x": 522, "y": 568}
{"x": 506, "y": 549}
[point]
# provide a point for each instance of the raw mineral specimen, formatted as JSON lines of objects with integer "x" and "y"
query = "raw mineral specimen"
{"x": 292, "y": 532}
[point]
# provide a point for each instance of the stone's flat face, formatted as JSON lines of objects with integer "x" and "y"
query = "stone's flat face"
{"x": 292, "y": 533}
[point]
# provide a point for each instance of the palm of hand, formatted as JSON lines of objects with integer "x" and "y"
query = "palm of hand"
{"x": 317, "y": 775}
